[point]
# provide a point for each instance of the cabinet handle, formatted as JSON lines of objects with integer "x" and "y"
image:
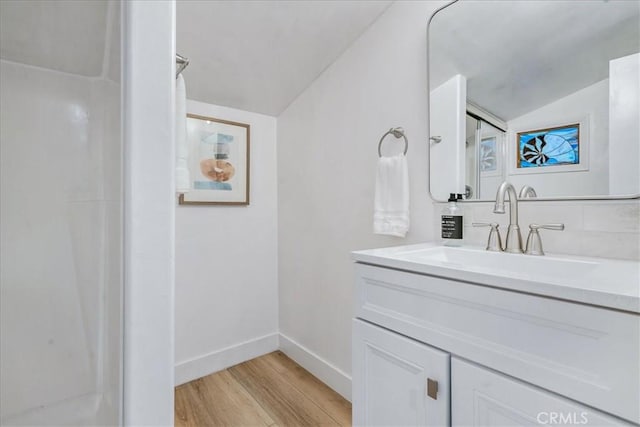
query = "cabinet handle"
{"x": 432, "y": 388}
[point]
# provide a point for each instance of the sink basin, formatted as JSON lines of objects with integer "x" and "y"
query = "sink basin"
{"x": 504, "y": 263}
{"x": 597, "y": 281}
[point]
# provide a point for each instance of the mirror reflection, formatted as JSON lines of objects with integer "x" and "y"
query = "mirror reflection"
{"x": 543, "y": 94}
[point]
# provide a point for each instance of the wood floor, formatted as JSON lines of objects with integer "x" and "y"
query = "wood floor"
{"x": 271, "y": 390}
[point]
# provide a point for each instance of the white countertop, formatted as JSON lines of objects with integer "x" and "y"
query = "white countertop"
{"x": 604, "y": 282}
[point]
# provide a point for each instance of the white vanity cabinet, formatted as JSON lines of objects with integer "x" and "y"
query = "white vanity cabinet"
{"x": 500, "y": 357}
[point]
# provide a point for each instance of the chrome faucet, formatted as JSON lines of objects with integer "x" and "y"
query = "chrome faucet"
{"x": 526, "y": 192}
{"x": 513, "y": 242}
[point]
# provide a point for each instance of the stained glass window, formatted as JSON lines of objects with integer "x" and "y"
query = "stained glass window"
{"x": 488, "y": 154}
{"x": 549, "y": 147}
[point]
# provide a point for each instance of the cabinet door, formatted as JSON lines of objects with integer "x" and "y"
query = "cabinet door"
{"x": 394, "y": 379}
{"x": 481, "y": 397}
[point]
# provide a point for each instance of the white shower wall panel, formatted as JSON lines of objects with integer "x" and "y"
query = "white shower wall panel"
{"x": 56, "y": 205}
{"x": 112, "y": 276}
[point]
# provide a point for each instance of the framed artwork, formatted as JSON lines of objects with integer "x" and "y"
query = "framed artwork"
{"x": 549, "y": 147}
{"x": 218, "y": 162}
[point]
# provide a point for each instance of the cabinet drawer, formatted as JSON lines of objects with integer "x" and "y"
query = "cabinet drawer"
{"x": 484, "y": 398}
{"x": 586, "y": 353}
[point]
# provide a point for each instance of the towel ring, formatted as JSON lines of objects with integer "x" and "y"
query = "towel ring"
{"x": 397, "y": 132}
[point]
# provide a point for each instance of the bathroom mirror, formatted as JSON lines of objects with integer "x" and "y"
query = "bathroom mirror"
{"x": 542, "y": 94}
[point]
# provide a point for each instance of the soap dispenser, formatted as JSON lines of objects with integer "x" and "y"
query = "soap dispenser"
{"x": 452, "y": 221}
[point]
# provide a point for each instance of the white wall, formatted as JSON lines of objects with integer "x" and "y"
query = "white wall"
{"x": 61, "y": 246}
{"x": 592, "y": 103}
{"x": 226, "y": 264}
{"x": 624, "y": 126}
{"x": 327, "y": 153}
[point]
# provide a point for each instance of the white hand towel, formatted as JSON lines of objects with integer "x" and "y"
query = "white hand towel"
{"x": 391, "y": 206}
{"x": 183, "y": 180}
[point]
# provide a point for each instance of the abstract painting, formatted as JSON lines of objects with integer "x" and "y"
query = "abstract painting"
{"x": 218, "y": 161}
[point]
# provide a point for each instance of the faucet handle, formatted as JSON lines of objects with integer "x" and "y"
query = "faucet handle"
{"x": 534, "y": 242}
{"x": 558, "y": 226}
{"x": 494, "y": 242}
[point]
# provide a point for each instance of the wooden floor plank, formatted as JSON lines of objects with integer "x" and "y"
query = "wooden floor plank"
{"x": 191, "y": 405}
{"x": 183, "y": 411}
{"x": 219, "y": 400}
{"x": 232, "y": 404}
{"x": 286, "y": 405}
{"x": 268, "y": 391}
{"x": 326, "y": 398}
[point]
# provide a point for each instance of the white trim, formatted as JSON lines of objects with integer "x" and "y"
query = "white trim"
{"x": 149, "y": 216}
{"x": 323, "y": 370}
{"x": 192, "y": 369}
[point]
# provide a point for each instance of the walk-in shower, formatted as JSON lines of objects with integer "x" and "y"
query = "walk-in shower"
{"x": 61, "y": 213}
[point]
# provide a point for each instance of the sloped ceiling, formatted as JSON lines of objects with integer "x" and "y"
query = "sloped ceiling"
{"x": 260, "y": 55}
{"x": 253, "y": 55}
{"x": 62, "y": 35}
{"x": 520, "y": 55}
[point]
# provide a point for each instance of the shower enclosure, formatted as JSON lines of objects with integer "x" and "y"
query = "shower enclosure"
{"x": 484, "y": 151}
{"x": 61, "y": 213}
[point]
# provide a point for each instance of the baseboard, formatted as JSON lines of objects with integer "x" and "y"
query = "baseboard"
{"x": 323, "y": 370}
{"x": 222, "y": 359}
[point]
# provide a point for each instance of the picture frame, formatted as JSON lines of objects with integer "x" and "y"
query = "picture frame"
{"x": 550, "y": 147}
{"x": 219, "y": 162}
